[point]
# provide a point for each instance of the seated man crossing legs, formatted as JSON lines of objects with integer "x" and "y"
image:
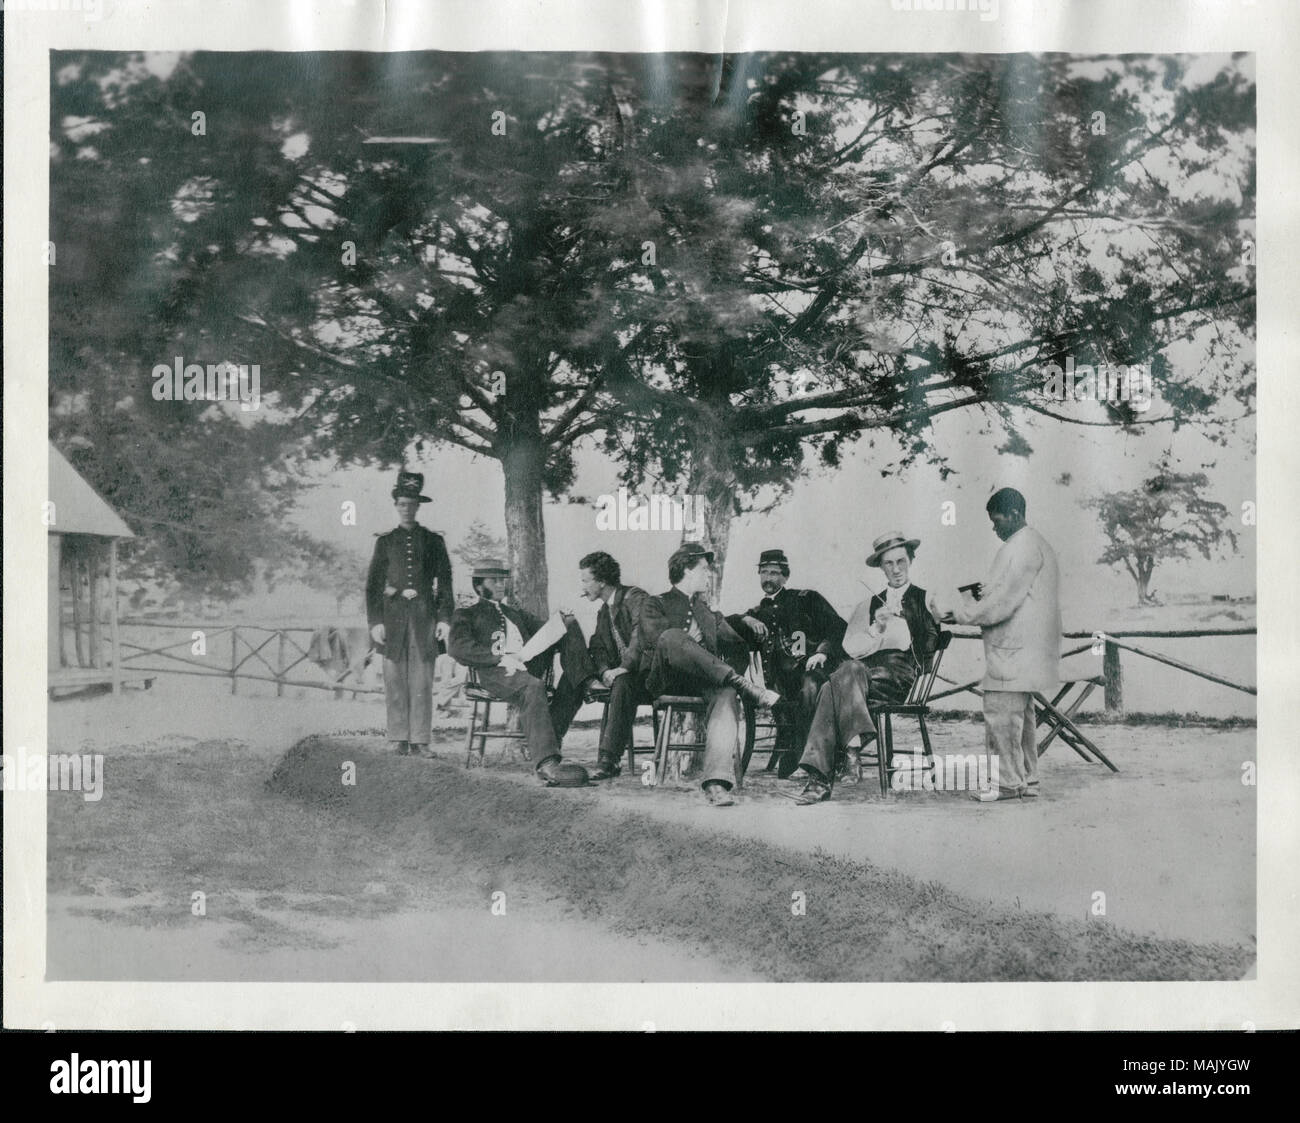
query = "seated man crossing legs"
{"x": 682, "y": 643}
{"x": 888, "y": 640}
{"x": 498, "y": 640}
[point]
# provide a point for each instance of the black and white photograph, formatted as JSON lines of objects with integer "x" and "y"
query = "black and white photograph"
{"x": 647, "y": 516}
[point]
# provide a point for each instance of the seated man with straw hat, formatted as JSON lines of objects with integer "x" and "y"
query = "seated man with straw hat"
{"x": 888, "y": 640}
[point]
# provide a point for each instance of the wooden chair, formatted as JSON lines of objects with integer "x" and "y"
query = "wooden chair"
{"x": 482, "y": 731}
{"x": 772, "y": 724}
{"x": 599, "y": 694}
{"x": 917, "y": 705}
{"x": 668, "y": 705}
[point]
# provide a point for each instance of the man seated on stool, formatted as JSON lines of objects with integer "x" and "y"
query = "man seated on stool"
{"x": 888, "y": 640}
{"x": 798, "y": 634}
{"x": 615, "y": 653}
{"x": 511, "y": 650}
{"x": 682, "y": 640}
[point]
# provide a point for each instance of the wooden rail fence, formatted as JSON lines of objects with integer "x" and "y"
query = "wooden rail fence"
{"x": 1112, "y": 644}
{"x": 255, "y": 639}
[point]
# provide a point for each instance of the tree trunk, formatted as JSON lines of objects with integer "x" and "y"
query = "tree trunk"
{"x": 523, "y": 459}
{"x": 1145, "y": 565}
{"x": 713, "y": 490}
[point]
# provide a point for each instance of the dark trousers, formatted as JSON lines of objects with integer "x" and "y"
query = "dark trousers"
{"x": 545, "y": 723}
{"x": 576, "y": 669}
{"x": 527, "y": 694}
{"x": 628, "y": 692}
{"x": 844, "y": 708}
{"x": 682, "y": 666}
{"x": 794, "y": 715}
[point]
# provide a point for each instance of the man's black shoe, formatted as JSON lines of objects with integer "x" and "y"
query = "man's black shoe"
{"x": 606, "y": 770}
{"x": 557, "y": 773}
{"x": 403, "y": 748}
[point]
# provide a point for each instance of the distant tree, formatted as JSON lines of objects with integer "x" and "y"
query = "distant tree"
{"x": 321, "y": 566}
{"x": 478, "y": 543}
{"x": 1163, "y": 520}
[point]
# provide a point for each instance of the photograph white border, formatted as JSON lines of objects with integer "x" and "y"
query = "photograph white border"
{"x": 1269, "y": 29}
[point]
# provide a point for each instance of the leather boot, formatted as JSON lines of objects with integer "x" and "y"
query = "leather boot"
{"x": 750, "y": 692}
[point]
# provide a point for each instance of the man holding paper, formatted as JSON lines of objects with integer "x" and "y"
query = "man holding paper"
{"x": 511, "y": 650}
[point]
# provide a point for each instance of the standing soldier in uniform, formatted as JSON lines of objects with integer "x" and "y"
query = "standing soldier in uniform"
{"x": 409, "y": 604}
{"x": 798, "y": 633}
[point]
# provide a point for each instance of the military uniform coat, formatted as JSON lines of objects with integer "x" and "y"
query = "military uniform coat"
{"x": 805, "y": 625}
{"x": 673, "y": 610}
{"x": 414, "y": 559}
{"x": 478, "y": 632}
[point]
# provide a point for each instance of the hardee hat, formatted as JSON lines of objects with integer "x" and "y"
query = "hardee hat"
{"x": 409, "y": 486}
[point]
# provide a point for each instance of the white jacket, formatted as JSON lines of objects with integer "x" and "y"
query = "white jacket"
{"x": 1020, "y": 614}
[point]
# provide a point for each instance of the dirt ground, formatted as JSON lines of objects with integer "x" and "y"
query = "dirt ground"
{"x": 627, "y": 882}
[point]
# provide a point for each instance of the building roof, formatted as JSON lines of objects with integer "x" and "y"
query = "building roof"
{"x": 78, "y": 508}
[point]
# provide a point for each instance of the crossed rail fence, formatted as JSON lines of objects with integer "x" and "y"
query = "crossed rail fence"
{"x": 255, "y": 638}
{"x": 254, "y": 665}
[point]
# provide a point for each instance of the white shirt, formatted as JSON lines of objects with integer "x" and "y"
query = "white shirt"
{"x": 861, "y": 638}
{"x": 514, "y": 640}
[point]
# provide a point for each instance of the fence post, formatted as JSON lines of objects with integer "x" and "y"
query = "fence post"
{"x": 234, "y": 659}
{"x": 1114, "y": 676}
{"x": 279, "y": 665}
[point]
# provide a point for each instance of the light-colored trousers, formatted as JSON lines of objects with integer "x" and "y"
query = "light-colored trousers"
{"x": 408, "y": 692}
{"x": 1011, "y": 735}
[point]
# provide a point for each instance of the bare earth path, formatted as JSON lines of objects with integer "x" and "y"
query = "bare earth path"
{"x": 301, "y": 887}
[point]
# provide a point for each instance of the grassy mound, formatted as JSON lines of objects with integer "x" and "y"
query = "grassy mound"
{"x": 785, "y": 914}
